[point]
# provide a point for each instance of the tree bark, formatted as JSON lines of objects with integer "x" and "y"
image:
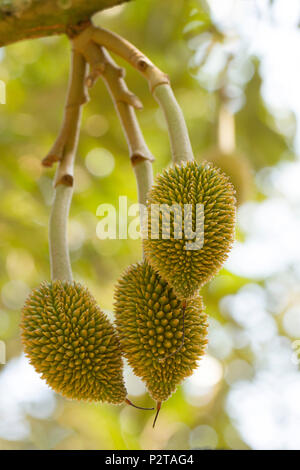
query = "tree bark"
{"x": 26, "y": 19}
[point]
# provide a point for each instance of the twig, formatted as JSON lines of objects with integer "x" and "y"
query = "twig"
{"x": 63, "y": 181}
{"x": 125, "y": 102}
{"x": 158, "y": 81}
{"x": 124, "y": 49}
{"x": 65, "y": 146}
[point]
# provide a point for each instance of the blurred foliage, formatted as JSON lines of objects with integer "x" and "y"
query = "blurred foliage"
{"x": 36, "y": 75}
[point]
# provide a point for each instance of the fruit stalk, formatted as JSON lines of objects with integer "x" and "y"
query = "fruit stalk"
{"x": 65, "y": 145}
{"x": 64, "y": 151}
{"x": 60, "y": 263}
{"x": 178, "y": 132}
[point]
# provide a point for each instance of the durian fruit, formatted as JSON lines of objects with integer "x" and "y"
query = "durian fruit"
{"x": 152, "y": 323}
{"x": 237, "y": 167}
{"x": 72, "y": 344}
{"x": 190, "y": 183}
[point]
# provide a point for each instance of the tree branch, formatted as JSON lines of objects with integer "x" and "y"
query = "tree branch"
{"x": 125, "y": 102}
{"x": 124, "y": 49}
{"x": 158, "y": 82}
{"x": 65, "y": 146}
{"x": 26, "y": 19}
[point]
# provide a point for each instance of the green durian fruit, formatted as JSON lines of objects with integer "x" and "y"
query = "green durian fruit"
{"x": 162, "y": 337}
{"x": 72, "y": 344}
{"x": 188, "y": 269}
{"x": 237, "y": 167}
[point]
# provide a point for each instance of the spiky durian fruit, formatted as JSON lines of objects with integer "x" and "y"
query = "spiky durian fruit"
{"x": 238, "y": 168}
{"x": 70, "y": 341}
{"x": 203, "y": 185}
{"x": 151, "y": 325}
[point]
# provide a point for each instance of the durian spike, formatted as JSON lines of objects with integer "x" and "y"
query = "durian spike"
{"x": 158, "y": 407}
{"x": 128, "y": 402}
{"x": 183, "y": 335}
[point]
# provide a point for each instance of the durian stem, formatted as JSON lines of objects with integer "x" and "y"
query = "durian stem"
{"x": 159, "y": 84}
{"x": 58, "y": 243}
{"x": 64, "y": 150}
{"x": 144, "y": 179}
{"x": 158, "y": 407}
{"x": 178, "y": 133}
{"x": 226, "y": 130}
{"x": 128, "y": 402}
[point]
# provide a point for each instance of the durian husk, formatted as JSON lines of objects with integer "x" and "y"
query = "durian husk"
{"x": 72, "y": 344}
{"x": 191, "y": 183}
{"x": 237, "y": 167}
{"x": 149, "y": 322}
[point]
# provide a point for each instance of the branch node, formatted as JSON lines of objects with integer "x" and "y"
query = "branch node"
{"x": 50, "y": 159}
{"x": 96, "y": 70}
{"x": 130, "y": 98}
{"x": 74, "y": 30}
{"x": 120, "y": 71}
{"x": 67, "y": 180}
{"x": 137, "y": 158}
{"x": 142, "y": 65}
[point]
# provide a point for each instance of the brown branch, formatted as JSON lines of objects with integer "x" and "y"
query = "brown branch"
{"x": 101, "y": 64}
{"x": 38, "y": 18}
{"x": 124, "y": 49}
{"x": 125, "y": 102}
{"x": 65, "y": 146}
{"x": 158, "y": 82}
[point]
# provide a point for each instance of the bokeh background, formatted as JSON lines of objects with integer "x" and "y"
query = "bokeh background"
{"x": 245, "y": 393}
